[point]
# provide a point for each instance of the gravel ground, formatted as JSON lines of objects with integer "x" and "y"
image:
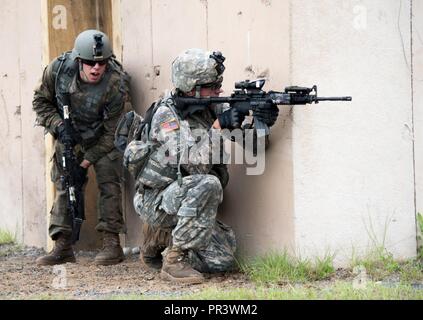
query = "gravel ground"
{"x": 21, "y": 278}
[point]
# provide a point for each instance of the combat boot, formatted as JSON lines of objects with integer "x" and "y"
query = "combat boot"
{"x": 155, "y": 240}
{"x": 112, "y": 252}
{"x": 151, "y": 259}
{"x": 176, "y": 268}
{"x": 61, "y": 253}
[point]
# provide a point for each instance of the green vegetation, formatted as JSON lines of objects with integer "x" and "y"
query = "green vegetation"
{"x": 339, "y": 290}
{"x": 282, "y": 268}
{"x": 420, "y": 236}
{"x": 380, "y": 264}
{"x": 50, "y": 296}
{"x": 8, "y": 243}
{"x": 6, "y": 237}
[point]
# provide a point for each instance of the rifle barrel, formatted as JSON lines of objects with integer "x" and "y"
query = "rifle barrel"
{"x": 334, "y": 98}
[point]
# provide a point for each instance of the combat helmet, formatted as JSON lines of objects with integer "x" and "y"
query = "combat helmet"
{"x": 195, "y": 67}
{"x": 92, "y": 45}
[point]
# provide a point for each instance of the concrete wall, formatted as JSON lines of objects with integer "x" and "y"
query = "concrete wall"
{"x": 418, "y": 99}
{"x": 22, "y": 183}
{"x": 353, "y": 162}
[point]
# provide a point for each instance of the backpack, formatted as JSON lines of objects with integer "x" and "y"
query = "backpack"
{"x": 132, "y": 139}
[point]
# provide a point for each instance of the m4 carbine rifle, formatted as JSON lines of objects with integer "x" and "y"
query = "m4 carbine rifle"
{"x": 248, "y": 95}
{"x": 73, "y": 177}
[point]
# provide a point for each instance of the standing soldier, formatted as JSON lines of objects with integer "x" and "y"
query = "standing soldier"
{"x": 98, "y": 91}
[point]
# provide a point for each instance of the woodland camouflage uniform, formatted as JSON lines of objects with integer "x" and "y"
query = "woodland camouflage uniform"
{"x": 95, "y": 109}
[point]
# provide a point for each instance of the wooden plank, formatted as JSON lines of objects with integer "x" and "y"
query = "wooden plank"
{"x": 117, "y": 29}
{"x": 117, "y": 50}
{"x": 79, "y": 15}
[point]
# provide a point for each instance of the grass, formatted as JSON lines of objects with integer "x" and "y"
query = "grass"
{"x": 411, "y": 271}
{"x": 380, "y": 264}
{"x": 6, "y": 237}
{"x": 8, "y": 243}
{"x": 420, "y": 236}
{"x": 283, "y": 268}
{"x": 339, "y": 290}
{"x": 49, "y": 296}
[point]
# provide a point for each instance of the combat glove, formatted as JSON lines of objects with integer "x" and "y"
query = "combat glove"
{"x": 231, "y": 119}
{"x": 267, "y": 113}
{"x": 72, "y": 137}
{"x": 80, "y": 177}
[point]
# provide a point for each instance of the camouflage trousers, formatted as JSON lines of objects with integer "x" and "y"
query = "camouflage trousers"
{"x": 108, "y": 175}
{"x": 190, "y": 211}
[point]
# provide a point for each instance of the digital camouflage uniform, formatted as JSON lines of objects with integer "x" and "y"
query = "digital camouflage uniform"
{"x": 95, "y": 110}
{"x": 189, "y": 206}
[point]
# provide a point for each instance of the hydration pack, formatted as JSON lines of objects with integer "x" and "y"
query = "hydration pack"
{"x": 132, "y": 139}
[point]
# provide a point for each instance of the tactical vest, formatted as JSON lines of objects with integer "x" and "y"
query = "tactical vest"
{"x": 89, "y": 105}
{"x": 155, "y": 174}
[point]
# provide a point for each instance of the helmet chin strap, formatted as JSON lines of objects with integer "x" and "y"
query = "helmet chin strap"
{"x": 81, "y": 71}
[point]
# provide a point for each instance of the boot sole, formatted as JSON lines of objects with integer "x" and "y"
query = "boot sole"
{"x": 53, "y": 263}
{"x": 108, "y": 262}
{"x": 192, "y": 280}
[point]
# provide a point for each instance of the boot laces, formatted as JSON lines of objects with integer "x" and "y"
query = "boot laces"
{"x": 110, "y": 241}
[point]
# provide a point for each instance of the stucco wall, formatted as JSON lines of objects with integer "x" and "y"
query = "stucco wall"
{"x": 353, "y": 162}
{"x": 22, "y": 183}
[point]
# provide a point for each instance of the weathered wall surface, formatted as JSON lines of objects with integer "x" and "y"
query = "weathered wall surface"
{"x": 22, "y": 183}
{"x": 254, "y": 37}
{"x": 353, "y": 162}
{"x": 418, "y": 99}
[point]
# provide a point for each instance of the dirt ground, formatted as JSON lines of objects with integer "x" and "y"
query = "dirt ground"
{"x": 21, "y": 278}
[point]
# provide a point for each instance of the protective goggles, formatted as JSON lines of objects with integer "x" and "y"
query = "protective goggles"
{"x": 93, "y": 63}
{"x": 213, "y": 86}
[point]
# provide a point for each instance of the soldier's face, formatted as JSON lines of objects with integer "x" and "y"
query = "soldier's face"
{"x": 210, "y": 92}
{"x": 92, "y": 74}
{"x": 207, "y": 91}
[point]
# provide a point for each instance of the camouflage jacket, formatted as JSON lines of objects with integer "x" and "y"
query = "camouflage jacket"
{"x": 187, "y": 144}
{"x": 95, "y": 108}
